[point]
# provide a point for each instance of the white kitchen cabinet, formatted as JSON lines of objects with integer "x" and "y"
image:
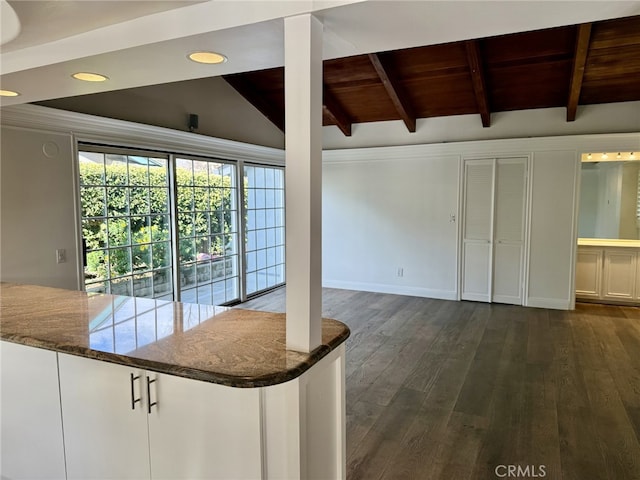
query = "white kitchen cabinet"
{"x": 201, "y": 430}
{"x": 589, "y": 272}
{"x": 105, "y": 428}
{"x": 619, "y": 274}
{"x": 124, "y": 423}
{"x": 32, "y": 442}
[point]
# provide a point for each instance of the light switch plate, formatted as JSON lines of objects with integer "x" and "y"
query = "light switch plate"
{"x": 61, "y": 255}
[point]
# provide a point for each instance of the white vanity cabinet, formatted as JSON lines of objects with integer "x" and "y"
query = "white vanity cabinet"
{"x": 620, "y": 274}
{"x": 125, "y": 423}
{"x": 589, "y": 272}
{"x": 32, "y": 443}
{"x": 608, "y": 271}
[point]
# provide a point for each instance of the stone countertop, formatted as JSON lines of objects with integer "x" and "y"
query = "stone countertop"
{"x": 604, "y": 242}
{"x": 228, "y": 346}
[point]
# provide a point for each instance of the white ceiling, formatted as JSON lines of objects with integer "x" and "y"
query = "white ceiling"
{"x": 146, "y": 42}
{"x": 45, "y": 21}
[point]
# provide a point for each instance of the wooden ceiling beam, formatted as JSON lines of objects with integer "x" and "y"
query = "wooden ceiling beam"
{"x": 245, "y": 88}
{"x": 577, "y": 71}
{"x": 478, "y": 80}
{"x": 395, "y": 92}
{"x": 334, "y": 111}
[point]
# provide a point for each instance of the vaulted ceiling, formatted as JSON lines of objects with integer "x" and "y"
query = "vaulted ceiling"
{"x": 567, "y": 66}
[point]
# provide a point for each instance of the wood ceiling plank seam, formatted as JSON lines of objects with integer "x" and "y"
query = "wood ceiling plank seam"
{"x": 478, "y": 81}
{"x": 577, "y": 71}
{"x": 332, "y": 108}
{"x": 395, "y": 93}
{"x": 531, "y": 61}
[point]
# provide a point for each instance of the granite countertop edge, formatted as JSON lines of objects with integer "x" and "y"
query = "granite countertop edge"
{"x": 191, "y": 373}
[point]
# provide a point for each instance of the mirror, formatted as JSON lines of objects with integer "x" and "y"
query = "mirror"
{"x": 610, "y": 200}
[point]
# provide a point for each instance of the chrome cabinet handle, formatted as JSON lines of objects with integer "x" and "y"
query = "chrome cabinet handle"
{"x": 150, "y": 404}
{"x": 134, "y": 400}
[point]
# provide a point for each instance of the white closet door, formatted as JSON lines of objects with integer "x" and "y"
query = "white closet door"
{"x": 508, "y": 238}
{"x": 477, "y": 228}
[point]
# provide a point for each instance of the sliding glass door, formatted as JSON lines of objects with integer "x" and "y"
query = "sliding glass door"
{"x": 207, "y": 214}
{"x": 126, "y": 224}
{"x": 168, "y": 226}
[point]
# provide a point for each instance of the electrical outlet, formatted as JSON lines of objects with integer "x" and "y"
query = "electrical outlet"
{"x": 61, "y": 255}
{"x": 400, "y": 271}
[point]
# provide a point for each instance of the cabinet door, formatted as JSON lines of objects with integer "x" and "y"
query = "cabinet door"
{"x": 200, "y": 430}
{"x": 588, "y": 272}
{"x": 508, "y": 238}
{"x": 477, "y": 230}
{"x": 638, "y": 276}
{"x": 32, "y": 444}
{"x": 619, "y": 274}
{"x": 105, "y": 432}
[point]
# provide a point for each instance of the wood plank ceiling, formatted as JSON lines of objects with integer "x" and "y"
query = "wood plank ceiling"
{"x": 559, "y": 67}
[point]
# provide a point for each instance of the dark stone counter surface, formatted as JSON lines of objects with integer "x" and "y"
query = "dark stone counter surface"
{"x": 229, "y": 346}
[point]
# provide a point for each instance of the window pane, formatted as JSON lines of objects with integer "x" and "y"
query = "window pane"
{"x": 116, "y": 170}
{"x": 121, "y": 286}
{"x": 118, "y": 232}
{"x": 119, "y": 261}
{"x": 92, "y": 168}
{"x": 93, "y": 202}
{"x": 264, "y": 232}
{"x": 187, "y": 275}
{"x": 117, "y": 201}
{"x": 160, "y": 228}
{"x": 138, "y": 171}
{"x": 158, "y": 200}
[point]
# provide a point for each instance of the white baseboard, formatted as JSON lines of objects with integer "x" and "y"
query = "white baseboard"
{"x": 552, "y": 303}
{"x": 393, "y": 289}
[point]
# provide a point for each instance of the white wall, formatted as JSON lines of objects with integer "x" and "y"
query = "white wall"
{"x": 37, "y": 208}
{"x": 382, "y": 214}
{"x": 552, "y": 229}
{"x": 390, "y": 207}
{"x": 222, "y": 111}
{"x": 542, "y": 122}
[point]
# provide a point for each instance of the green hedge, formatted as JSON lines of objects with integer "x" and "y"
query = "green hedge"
{"x": 135, "y": 203}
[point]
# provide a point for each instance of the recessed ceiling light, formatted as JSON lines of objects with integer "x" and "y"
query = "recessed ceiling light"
{"x": 8, "y": 93}
{"x": 89, "y": 77}
{"x": 207, "y": 57}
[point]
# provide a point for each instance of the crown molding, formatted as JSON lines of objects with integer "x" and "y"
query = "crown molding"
{"x": 108, "y": 131}
{"x": 487, "y": 148}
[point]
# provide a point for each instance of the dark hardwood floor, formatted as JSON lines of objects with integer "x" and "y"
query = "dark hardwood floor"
{"x": 455, "y": 390}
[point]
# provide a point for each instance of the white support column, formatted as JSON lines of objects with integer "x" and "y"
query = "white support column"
{"x": 303, "y": 145}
